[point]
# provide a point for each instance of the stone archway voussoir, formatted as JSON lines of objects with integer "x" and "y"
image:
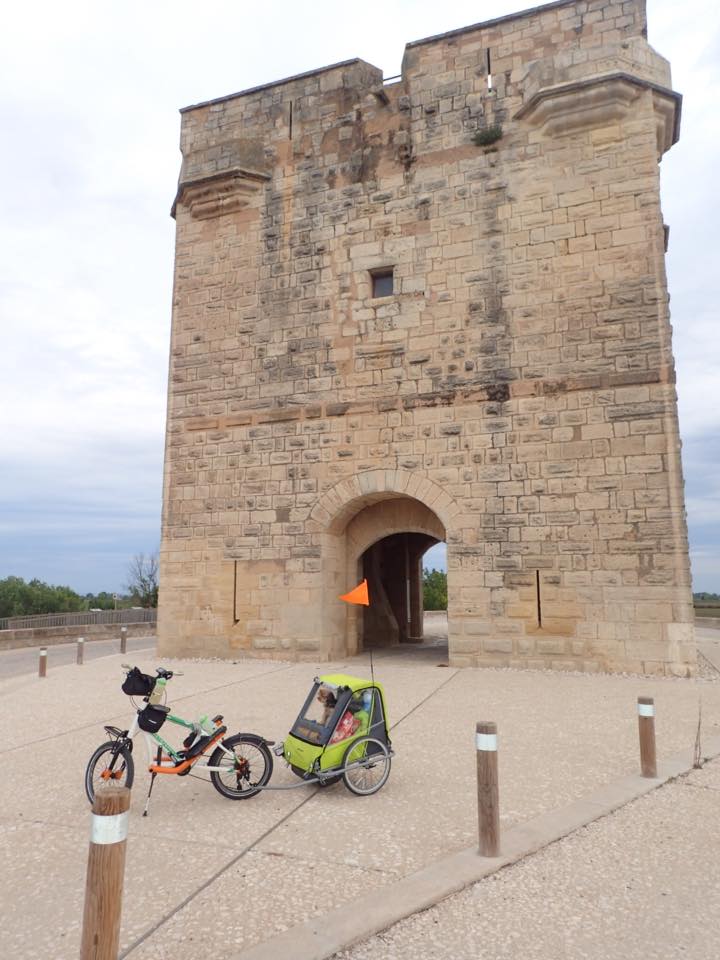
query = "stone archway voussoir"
{"x": 335, "y": 505}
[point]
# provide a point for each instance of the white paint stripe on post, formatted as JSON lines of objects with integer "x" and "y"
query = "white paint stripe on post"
{"x": 113, "y": 829}
{"x": 646, "y": 710}
{"x": 486, "y": 741}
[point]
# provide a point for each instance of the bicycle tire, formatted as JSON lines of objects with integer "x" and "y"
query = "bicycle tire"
{"x": 126, "y": 772}
{"x": 250, "y": 752}
{"x": 372, "y": 769}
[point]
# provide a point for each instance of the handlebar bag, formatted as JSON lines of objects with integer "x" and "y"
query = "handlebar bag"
{"x": 138, "y": 684}
{"x": 152, "y": 717}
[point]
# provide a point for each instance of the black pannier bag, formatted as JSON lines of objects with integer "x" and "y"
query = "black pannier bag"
{"x": 138, "y": 684}
{"x": 152, "y": 717}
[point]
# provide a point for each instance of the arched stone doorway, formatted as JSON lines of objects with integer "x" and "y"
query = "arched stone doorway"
{"x": 378, "y": 525}
{"x": 385, "y": 544}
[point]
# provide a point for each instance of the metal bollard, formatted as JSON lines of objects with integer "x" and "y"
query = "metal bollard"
{"x": 80, "y": 649}
{"x": 123, "y": 639}
{"x": 42, "y": 668}
{"x": 646, "y": 727}
{"x": 105, "y": 875}
{"x": 487, "y": 788}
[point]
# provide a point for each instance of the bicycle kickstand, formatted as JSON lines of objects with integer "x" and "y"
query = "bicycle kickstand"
{"x": 152, "y": 781}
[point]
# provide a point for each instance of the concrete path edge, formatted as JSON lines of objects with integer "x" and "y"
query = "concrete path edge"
{"x": 324, "y": 936}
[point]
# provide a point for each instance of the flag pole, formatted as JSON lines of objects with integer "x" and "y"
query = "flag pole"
{"x": 360, "y": 596}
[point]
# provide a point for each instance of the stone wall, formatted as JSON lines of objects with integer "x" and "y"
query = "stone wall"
{"x": 518, "y": 383}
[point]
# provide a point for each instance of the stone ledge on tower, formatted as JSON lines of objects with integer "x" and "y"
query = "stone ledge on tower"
{"x": 220, "y": 193}
{"x": 565, "y": 94}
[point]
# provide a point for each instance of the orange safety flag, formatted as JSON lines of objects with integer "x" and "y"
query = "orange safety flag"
{"x": 358, "y": 595}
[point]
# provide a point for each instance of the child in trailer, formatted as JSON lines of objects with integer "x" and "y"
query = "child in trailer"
{"x": 355, "y": 719}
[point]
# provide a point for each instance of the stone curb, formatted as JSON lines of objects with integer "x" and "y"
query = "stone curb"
{"x": 324, "y": 936}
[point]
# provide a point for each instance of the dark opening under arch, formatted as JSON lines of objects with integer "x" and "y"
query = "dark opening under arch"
{"x": 393, "y": 569}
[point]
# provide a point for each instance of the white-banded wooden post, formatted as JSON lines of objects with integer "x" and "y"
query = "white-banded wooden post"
{"x": 80, "y": 649}
{"x": 42, "y": 666}
{"x": 123, "y": 639}
{"x": 646, "y": 725}
{"x": 487, "y": 788}
{"x": 105, "y": 874}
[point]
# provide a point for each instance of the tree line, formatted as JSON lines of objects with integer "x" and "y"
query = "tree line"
{"x": 20, "y": 598}
{"x": 434, "y": 590}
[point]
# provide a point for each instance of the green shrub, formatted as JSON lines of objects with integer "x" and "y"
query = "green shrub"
{"x": 488, "y": 135}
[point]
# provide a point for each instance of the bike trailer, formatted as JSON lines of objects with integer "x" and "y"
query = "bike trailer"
{"x": 338, "y": 711}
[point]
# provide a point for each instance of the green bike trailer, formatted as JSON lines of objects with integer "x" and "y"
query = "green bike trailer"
{"x": 343, "y": 725}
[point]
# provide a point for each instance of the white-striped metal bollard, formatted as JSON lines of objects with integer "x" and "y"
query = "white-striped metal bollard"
{"x": 42, "y": 667}
{"x": 80, "y": 649}
{"x": 487, "y": 788}
{"x": 105, "y": 875}
{"x": 123, "y": 639}
{"x": 646, "y": 727}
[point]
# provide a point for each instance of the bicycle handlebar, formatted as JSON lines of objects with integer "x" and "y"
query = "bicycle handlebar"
{"x": 161, "y": 672}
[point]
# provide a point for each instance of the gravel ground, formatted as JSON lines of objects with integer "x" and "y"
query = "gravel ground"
{"x": 641, "y": 884}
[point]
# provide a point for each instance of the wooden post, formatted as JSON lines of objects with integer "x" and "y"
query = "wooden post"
{"x": 42, "y": 668}
{"x": 123, "y": 639}
{"x": 646, "y": 725}
{"x": 105, "y": 874}
{"x": 80, "y": 649}
{"x": 487, "y": 788}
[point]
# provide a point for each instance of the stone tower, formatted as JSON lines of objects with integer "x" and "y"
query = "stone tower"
{"x": 432, "y": 309}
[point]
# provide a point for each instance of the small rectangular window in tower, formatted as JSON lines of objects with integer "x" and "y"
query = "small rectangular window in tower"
{"x": 382, "y": 282}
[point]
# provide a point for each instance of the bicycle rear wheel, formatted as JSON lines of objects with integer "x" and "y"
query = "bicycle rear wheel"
{"x": 245, "y": 768}
{"x": 109, "y": 767}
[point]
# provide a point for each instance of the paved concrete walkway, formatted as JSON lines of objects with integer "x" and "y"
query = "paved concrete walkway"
{"x": 209, "y": 877}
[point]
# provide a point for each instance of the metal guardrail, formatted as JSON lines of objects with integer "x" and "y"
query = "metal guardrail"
{"x": 78, "y": 619}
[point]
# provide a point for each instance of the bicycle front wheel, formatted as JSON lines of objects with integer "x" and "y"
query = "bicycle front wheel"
{"x": 246, "y": 766}
{"x": 109, "y": 767}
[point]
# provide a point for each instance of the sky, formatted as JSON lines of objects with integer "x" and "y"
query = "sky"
{"x": 89, "y": 100}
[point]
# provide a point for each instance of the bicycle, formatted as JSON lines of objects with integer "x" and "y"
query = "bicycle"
{"x": 239, "y": 765}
